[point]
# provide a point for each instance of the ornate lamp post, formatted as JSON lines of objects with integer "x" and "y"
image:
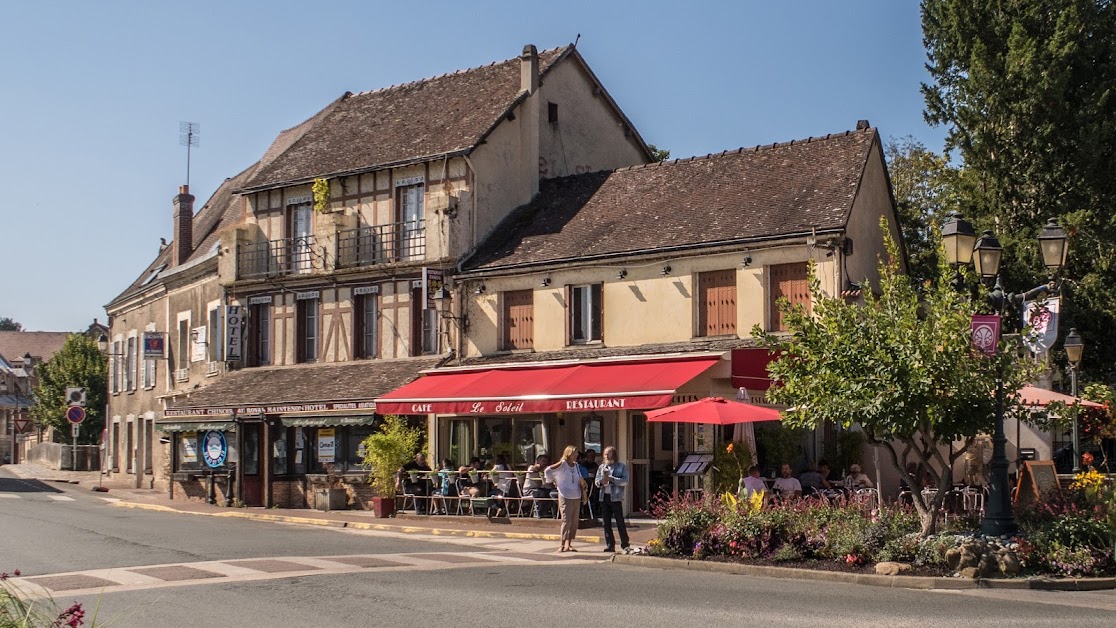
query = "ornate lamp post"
{"x": 957, "y": 236}
{"x": 1074, "y": 348}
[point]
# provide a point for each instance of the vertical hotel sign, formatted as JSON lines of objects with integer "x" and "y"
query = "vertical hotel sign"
{"x": 986, "y": 333}
{"x": 432, "y": 279}
{"x": 234, "y": 326}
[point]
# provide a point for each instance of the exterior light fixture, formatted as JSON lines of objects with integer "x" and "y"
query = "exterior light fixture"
{"x": 102, "y": 343}
{"x": 958, "y": 238}
{"x": 988, "y": 252}
{"x": 1052, "y": 243}
{"x": 623, "y": 273}
{"x": 545, "y": 282}
{"x": 479, "y": 289}
{"x": 666, "y": 270}
{"x": 746, "y": 262}
{"x": 1074, "y": 346}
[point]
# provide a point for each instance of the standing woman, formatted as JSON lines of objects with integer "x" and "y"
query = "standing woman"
{"x": 566, "y": 477}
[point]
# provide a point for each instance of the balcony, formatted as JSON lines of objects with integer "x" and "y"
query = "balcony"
{"x": 273, "y": 258}
{"x": 382, "y": 244}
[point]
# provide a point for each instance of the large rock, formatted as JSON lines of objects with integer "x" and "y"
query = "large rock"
{"x": 970, "y": 556}
{"x": 1008, "y": 564}
{"x": 889, "y": 568}
{"x": 953, "y": 558}
{"x": 969, "y": 572}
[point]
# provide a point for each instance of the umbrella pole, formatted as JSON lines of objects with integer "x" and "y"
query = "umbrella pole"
{"x": 674, "y": 449}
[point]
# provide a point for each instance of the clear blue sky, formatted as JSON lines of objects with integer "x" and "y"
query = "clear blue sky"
{"x": 93, "y": 92}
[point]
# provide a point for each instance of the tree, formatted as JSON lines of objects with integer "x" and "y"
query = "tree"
{"x": 926, "y": 190}
{"x": 658, "y": 154}
{"x": 900, "y": 366}
{"x": 7, "y": 324}
{"x": 1027, "y": 91}
{"x": 78, "y": 363}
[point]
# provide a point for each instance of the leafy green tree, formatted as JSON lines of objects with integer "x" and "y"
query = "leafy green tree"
{"x": 926, "y": 188}
{"x": 387, "y": 449}
{"x": 900, "y": 366}
{"x": 658, "y": 154}
{"x": 1027, "y": 92}
{"x": 7, "y": 324}
{"x": 78, "y": 363}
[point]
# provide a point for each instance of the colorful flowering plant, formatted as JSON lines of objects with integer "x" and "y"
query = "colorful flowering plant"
{"x": 17, "y": 612}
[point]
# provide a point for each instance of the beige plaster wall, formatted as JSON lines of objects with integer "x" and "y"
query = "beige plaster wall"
{"x": 589, "y": 134}
{"x": 872, "y": 202}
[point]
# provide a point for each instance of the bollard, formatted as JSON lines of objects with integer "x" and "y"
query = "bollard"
{"x": 212, "y": 497}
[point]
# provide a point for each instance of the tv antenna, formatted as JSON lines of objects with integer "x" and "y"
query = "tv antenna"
{"x": 188, "y": 134}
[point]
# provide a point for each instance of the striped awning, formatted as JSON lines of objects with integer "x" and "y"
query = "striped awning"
{"x": 328, "y": 421}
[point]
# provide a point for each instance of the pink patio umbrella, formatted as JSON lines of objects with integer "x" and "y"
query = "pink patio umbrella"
{"x": 715, "y": 411}
{"x": 1036, "y": 397}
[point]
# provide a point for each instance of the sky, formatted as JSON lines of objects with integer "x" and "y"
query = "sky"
{"x": 92, "y": 94}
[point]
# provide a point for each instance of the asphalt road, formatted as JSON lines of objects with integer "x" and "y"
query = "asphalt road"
{"x": 466, "y": 582}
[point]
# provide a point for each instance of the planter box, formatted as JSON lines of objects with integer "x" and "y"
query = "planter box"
{"x": 384, "y": 507}
{"x": 331, "y": 499}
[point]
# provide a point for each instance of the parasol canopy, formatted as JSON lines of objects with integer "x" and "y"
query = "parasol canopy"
{"x": 1041, "y": 397}
{"x": 715, "y": 411}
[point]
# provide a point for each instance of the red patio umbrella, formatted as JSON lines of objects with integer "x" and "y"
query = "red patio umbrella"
{"x": 1041, "y": 397}
{"x": 714, "y": 410}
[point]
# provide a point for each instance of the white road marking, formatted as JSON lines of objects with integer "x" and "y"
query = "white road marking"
{"x": 110, "y": 499}
{"x": 11, "y": 495}
{"x": 61, "y": 498}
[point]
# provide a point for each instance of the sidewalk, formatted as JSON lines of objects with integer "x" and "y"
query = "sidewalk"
{"x": 640, "y": 531}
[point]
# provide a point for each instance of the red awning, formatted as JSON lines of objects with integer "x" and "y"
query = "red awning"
{"x": 749, "y": 368}
{"x": 628, "y": 385}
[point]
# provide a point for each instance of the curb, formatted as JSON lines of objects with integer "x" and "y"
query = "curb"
{"x": 874, "y": 580}
{"x": 359, "y": 525}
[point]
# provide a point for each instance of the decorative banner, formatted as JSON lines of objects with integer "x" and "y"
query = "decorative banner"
{"x": 233, "y": 327}
{"x": 199, "y": 345}
{"x": 1040, "y": 324}
{"x": 326, "y": 444}
{"x": 986, "y": 333}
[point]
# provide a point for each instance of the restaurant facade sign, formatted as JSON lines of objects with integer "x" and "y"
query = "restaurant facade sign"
{"x": 286, "y": 408}
{"x": 522, "y": 406}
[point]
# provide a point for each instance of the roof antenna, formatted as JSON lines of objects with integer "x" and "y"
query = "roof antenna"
{"x": 188, "y": 133}
{"x": 577, "y": 39}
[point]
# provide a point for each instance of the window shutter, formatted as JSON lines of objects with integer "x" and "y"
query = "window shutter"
{"x": 519, "y": 319}
{"x": 788, "y": 280}
{"x": 717, "y": 303}
{"x": 112, "y": 367}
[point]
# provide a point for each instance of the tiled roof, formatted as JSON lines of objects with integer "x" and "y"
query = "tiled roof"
{"x": 594, "y": 352}
{"x": 40, "y": 344}
{"x": 750, "y": 193}
{"x": 431, "y": 117}
{"x": 221, "y": 211}
{"x": 307, "y": 383}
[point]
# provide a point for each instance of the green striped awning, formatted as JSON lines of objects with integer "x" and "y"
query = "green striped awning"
{"x": 330, "y": 421}
{"x": 196, "y": 426}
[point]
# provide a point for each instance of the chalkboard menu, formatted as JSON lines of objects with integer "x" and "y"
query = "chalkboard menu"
{"x": 1038, "y": 480}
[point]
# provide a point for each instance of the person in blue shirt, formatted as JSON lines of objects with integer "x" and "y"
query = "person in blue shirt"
{"x": 612, "y": 477}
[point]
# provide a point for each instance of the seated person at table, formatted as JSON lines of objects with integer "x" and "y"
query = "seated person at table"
{"x": 417, "y": 488}
{"x": 787, "y": 486}
{"x": 536, "y": 486}
{"x": 751, "y": 484}
{"x": 445, "y": 488}
{"x": 829, "y": 478}
{"x": 591, "y": 462}
{"x": 857, "y": 480}
{"x": 811, "y": 480}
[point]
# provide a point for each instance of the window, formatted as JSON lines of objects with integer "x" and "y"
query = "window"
{"x": 116, "y": 365}
{"x": 519, "y": 320}
{"x": 183, "y": 360}
{"x": 585, "y": 313}
{"x": 592, "y": 433}
{"x": 552, "y": 111}
{"x": 215, "y": 349}
{"x": 148, "y": 381}
{"x": 518, "y": 439}
{"x": 412, "y": 242}
{"x": 130, "y": 364}
{"x": 366, "y": 311}
{"x": 717, "y": 303}
{"x": 301, "y": 228}
{"x": 259, "y": 334}
{"x": 787, "y": 281}
{"x": 307, "y": 330}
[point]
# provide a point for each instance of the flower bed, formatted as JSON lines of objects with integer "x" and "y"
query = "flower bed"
{"x": 1071, "y": 537}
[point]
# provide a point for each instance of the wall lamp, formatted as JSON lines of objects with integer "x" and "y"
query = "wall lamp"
{"x": 479, "y": 289}
{"x": 746, "y": 262}
{"x": 666, "y": 270}
{"x": 623, "y": 273}
{"x": 545, "y": 282}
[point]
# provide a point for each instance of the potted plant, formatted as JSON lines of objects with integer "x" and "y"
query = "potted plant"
{"x": 332, "y": 496}
{"x": 384, "y": 452}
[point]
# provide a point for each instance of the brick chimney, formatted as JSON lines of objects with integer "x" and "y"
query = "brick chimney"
{"x": 529, "y": 70}
{"x": 183, "y": 226}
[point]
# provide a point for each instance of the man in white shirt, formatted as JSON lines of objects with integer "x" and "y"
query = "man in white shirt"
{"x": 752, "y": 483}
{"x": 787, "y": 486}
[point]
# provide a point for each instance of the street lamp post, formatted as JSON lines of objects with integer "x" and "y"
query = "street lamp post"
{"x": 985, "y": 253}
{"x": 1074, "y": 348}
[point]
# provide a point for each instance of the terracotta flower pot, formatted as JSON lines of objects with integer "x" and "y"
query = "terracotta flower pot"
{"x": 384, "y": 507}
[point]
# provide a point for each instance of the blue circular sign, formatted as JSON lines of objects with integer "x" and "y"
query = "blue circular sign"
{"x": 214, "y": 448}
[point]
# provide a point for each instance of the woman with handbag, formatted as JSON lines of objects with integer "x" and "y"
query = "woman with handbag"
{"x": 566, "y": 477}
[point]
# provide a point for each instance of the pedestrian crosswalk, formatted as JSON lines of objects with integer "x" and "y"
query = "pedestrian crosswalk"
{"x": 116, "y": 580}
{"x": 38, "y": 495}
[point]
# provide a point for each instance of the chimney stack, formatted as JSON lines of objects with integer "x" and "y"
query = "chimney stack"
{"x": 529, "y": 70}
{"x": 183, "y": 226}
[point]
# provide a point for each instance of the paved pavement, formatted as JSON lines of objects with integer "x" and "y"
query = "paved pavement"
{"x": 123, "y": 495}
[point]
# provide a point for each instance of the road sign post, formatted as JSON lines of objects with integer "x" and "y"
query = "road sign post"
{"x": 75, "y": 415}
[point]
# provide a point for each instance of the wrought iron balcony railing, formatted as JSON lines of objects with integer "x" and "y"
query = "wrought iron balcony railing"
{"x": 275, "y": 257}
{"x": 381, "y": 244}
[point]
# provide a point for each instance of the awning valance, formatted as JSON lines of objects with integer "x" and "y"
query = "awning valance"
{"x": 584, "y": 386}
{"x": 749, "y": 368}
{"x": 332, "y": 421}
{"x": 195, "y": 426}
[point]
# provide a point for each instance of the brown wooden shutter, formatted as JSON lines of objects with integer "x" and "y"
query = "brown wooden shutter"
{"x": 519, "y": 319}
{"x": 717, "y": 303}
{"x": 788, "y": 280}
